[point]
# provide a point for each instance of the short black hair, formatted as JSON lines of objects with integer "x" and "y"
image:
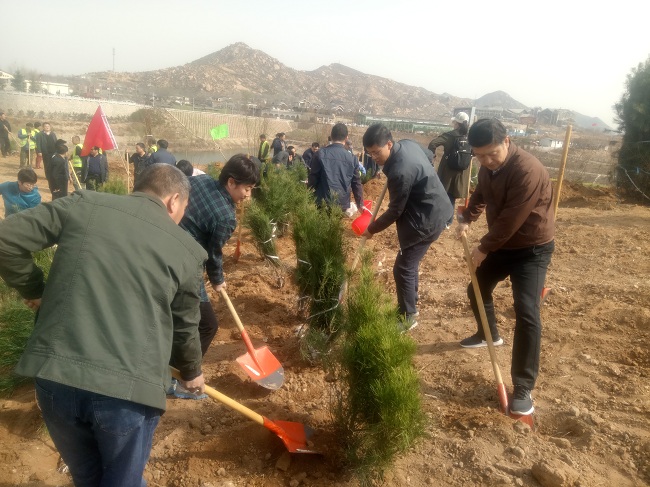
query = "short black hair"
{"x": 163, "y": 180}
{"x": 486, "y": 131}
{"x": 339, "y": 132}
{"x": 27, "y": 175}
{"x": 262, "y": 136}
{"x": 141, "y": 145}
{"x": 241, "y": 168}
{"x": 377, "y": 134}
{"x": 162, "y": 143}
{"x": 61, "y": 148}
{"x": 186, "y": 167}
{"x": 315, "y": 144}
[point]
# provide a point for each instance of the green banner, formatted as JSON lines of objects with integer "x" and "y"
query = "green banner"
{"x": 219, "y": 132}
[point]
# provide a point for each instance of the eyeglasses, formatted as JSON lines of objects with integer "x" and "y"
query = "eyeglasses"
{"x": 375, "y": 153}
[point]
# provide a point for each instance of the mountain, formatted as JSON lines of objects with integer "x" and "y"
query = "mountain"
{"x": 499, "y": 99}
{"x": 244, "y": 75}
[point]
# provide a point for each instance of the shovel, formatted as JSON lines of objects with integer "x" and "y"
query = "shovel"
{"x": 501, "y": 388}
{"x": 357, "y": 256}
{"x": 237, "y": 253}
{"x": 260, "y": 364}
{"x": 293, "y": 435}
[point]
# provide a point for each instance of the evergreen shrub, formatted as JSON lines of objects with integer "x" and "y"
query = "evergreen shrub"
{"x": 378, "y": 403}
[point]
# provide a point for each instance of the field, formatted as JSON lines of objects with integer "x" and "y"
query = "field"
{"x": 592, "y": 398}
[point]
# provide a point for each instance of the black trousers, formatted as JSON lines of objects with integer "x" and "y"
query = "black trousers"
{"x": 208, "y": 326}
{"x": 405, "y": 272}
{"x": 5, "y": 145}
{"x": 527, "y": 270}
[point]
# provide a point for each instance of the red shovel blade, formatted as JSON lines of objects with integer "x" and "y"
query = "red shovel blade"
{"x": 263, "y": 368}
{"x": 526, "y": 419}
{"x": 294, "y": 435}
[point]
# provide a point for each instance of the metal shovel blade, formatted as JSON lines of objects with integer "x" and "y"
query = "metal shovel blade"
{"x": 263, "y": 368}
{"x": 295, "y": 436}
{"x": 526, "y": 419}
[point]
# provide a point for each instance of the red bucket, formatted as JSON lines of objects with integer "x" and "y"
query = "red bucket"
{"x": 360, "y": 224}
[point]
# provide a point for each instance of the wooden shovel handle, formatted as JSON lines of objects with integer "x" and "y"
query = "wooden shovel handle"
{"x": 481, "y": 310}
{"x": 238, "y": 322}
{"x": 372, "y": 219}
{"x": 222, "y": 398}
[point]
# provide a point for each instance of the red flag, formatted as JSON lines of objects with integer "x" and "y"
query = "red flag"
{"x": 99, "y": 134}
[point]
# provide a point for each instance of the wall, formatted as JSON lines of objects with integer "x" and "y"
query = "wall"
{"x": 51, "y": 104}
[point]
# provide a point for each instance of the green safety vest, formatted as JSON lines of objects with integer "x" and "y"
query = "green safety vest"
{"x": 23, "y": 142}
{"x": 153, "y": 149}
{"x": 76, "y": 160}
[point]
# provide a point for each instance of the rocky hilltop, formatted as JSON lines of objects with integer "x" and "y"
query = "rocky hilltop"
{"x": 243, "y": 74}
{"x": 240, "y": 75}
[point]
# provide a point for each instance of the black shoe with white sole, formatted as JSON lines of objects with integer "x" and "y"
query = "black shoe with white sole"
{"x": 477, "y": 341}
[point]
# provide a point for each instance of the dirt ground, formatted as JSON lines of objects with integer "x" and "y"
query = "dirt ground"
{"x": 592, "y": 398}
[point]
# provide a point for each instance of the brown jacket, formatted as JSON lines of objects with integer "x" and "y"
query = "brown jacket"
{"x": 518, "y": 199}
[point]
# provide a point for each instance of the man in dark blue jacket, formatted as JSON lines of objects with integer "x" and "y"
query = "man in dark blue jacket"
{"x": 419, "y": 207}
{"x": 335, "y": 171}
{"x": 162, "y": 155}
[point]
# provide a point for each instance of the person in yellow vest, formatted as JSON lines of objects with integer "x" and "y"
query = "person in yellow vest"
{"x": 151, "y": 144}
{"x": 27, "y": 145}
{"x": 39, "y": 159}
{"x": 75, "y": 156}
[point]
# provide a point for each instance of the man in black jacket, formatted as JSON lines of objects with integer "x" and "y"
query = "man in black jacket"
{"x": 45, "y": 147}
{"x": 308, "y": 155}
{"x": 334, "y": 172}
{"x": 5, "y": 130}
{"x": 419, "y": 207}
{"x": 162, "y": 155}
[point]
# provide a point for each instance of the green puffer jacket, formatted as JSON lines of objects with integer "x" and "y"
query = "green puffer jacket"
{"x": 121, "y": 298}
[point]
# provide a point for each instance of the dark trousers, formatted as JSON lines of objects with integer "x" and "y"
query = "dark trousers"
{"x": 5, "y": 145}
{"x": 527, "y": 270}
{"x": 103, "y": 440}
{"x": 25, "y": 159}
{"x": 405, "y": 272}
{"x": 208, "y": 326}
{"x": 93, "y": 183}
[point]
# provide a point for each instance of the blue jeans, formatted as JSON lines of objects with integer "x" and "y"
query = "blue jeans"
{"x": 104, "y": 441}
{"x": 527, "y": 270}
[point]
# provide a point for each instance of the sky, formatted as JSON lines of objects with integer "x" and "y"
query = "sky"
{"x": 569, "y": 54}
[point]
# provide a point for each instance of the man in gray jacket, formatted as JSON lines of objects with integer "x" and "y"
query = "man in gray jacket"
{"x": 121, "y": 299}
{"x": 418, "y": 206}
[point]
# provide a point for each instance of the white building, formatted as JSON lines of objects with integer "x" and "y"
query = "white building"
{"x": 51, "y": 88}
{"x": 551, "y": 143}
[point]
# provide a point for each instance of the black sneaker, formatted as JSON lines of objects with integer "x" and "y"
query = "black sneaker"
{"x": 476, "y": 341}
{"x": 522, "y": 402}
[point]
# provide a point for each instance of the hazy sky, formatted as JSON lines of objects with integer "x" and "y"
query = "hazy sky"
{"x": 555, "y": 54}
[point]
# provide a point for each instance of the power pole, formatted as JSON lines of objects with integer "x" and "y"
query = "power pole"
{"x": 113, "y": 59}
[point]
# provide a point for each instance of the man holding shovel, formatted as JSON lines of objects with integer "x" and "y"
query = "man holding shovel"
{"x": 515, "y": 192}
{"x": 418, "y": 206}
{"x": 210, "y": 219}
{"x": 120, "y": 299}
